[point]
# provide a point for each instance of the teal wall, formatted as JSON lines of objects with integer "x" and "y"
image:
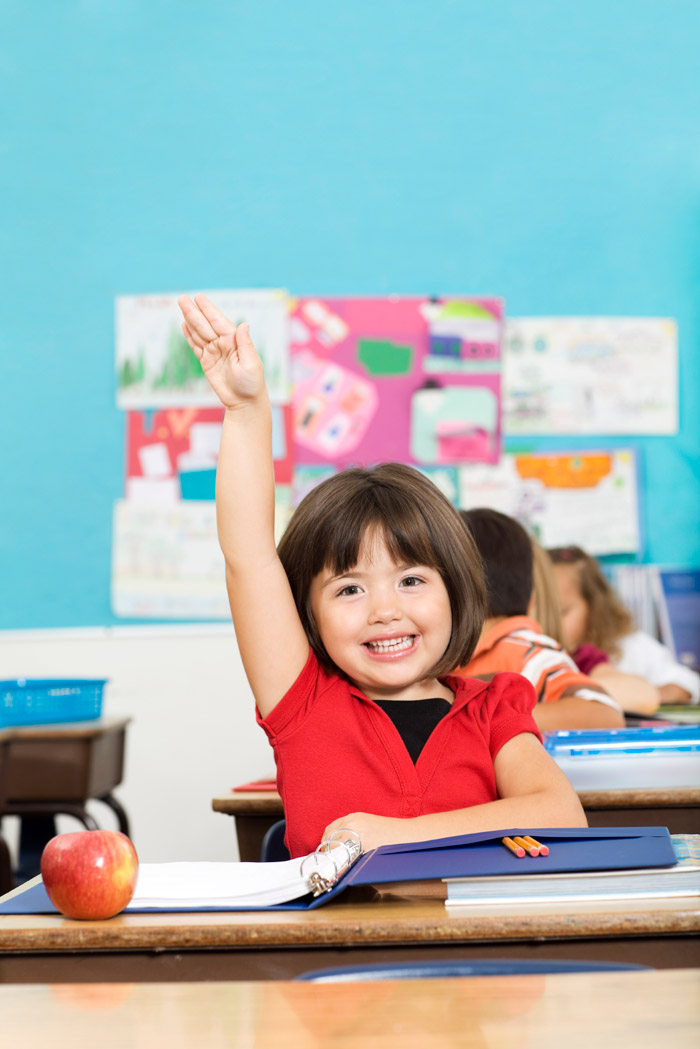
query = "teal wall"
{"x": 548, "y": 152}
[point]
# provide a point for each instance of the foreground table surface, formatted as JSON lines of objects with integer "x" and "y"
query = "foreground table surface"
{"x": 279, "y": 944}
{"x": 626, "y": 1009}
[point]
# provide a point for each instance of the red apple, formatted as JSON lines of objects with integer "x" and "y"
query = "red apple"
{"x": 90, "y": 873}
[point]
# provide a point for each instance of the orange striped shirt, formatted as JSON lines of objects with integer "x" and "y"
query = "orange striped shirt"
{"x": 518, "y": 644}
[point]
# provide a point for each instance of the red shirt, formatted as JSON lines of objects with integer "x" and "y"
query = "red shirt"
{"x": 337, "y": 752}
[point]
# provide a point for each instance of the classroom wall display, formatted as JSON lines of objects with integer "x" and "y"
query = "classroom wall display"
{"x": 412, "y": 379}
{"x": 590, "y": 375}
{"x": 166, "y": 559}
{"x": 416, "y": 380}
{"x": 584, "y": 498}
{"x": 172, "y": 453}
{"x": 155, "y": 365}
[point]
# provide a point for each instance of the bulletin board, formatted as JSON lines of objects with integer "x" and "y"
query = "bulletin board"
{"x": 544, "y": 166}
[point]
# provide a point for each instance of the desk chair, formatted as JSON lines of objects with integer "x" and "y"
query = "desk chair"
{"x": 446, "y": 969}
{"x": 273, "y": 847}
{"x": 6, "y": 877}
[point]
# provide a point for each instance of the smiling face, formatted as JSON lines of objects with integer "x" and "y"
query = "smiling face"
{"x": 384, "y": 625}
{"x": 574, "y": 608}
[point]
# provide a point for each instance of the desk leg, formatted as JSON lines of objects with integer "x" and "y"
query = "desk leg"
{"x": 7, "y": 880}
{"x": 34, "y": 832}
{"x": 121, "y": 815}
{"x": 250, "y": 831}
{"x": 37, "y": 826}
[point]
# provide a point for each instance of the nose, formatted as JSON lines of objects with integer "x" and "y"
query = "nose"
{"x": 384, "y": 607}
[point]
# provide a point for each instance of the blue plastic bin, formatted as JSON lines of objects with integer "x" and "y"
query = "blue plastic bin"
{"x": 47, "y": 701}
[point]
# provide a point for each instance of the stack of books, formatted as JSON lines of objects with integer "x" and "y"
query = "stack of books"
{"x": 683, "y": 879}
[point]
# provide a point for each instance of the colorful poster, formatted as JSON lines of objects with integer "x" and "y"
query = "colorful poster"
{"x": 590, "y": 375}
{"x": 583, "y": 498}
{"x": 408, "y": 379}
{"x": 157, "y": 369}
{"x": 172, "y": 453}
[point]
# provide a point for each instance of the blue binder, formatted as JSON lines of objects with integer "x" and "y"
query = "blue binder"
{"x": 680, "y": 738}
{"x": 475, "y": 855}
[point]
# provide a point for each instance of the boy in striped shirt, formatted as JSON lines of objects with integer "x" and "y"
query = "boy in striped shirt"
{"x": 511, "y": 640}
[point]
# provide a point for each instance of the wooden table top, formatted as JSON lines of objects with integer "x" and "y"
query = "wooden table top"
{"x": 630, "y": 1010}
{"x": 65, "y": 730}
{"x": 386, "y": 919}
{"x": 250, "y": 802}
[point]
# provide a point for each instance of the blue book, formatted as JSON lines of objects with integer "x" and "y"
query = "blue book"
{"x": 678, "y": 607}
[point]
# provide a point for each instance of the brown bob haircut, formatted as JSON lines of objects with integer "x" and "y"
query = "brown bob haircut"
{"x": 608, "y": 619}
{"x": 420, "y": 527}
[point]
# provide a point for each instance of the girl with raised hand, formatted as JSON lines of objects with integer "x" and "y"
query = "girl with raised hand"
{"x": 348, "y": 634}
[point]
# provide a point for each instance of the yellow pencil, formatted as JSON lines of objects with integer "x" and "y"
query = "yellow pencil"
{"x": 532, "y": 850}
{"x": 544, "y": 849}
{"x": 518, "y": 850}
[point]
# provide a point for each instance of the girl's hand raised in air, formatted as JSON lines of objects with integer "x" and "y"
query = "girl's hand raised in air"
{"x": 227, "y": 355}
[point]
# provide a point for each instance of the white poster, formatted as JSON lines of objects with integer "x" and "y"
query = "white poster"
{"x": 156, "y": 367}
{"x": 590, "y": 375}
{"x": 166, "y": 561}
{"x": 588, "y": 499}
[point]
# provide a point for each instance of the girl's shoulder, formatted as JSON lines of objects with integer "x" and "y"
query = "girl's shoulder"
{"x": 500, "y": 690}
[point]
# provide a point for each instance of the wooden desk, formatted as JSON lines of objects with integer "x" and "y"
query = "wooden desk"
{"x": 677, "y": 808}
{"x": 60, "y": 767}
{"x": 628, "y": 1010}
{"x": 264, "y": 945}
{"x": 52, "y": 770}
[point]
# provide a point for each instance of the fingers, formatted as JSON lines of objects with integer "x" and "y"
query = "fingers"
{"x": 199, "y": 327}
{"x": 244, "y": 344}
{"x": 217, "y": 321}
{"x": 194, "y": 345}
{"x": 208, "y": 331}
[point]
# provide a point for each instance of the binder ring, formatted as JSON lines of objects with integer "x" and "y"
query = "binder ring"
{"x": 352, "y": 842}
{"x": 342, "y": 853}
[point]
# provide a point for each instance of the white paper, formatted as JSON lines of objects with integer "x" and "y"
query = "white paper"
{"x": 601, "y": 517}
{"x": 166, "y": 885}
{"x": 590, "y": 375}
{"x": 166, "y": 561}
{"x": 205, "y": 439}
{"x": 150, "y": 490}
{"x": 155, "y": 366}
{"x": 154, "y": 461}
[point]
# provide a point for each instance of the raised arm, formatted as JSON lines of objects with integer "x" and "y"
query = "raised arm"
{"x": 270, "y": 636}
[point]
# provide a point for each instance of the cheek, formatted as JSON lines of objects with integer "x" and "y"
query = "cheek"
{"x": 574, "y": 626}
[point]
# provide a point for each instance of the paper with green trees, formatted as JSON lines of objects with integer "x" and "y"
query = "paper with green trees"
{"x": 157, "y": 369}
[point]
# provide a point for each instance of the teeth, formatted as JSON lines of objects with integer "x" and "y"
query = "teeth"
{"x": 394, "y": 645}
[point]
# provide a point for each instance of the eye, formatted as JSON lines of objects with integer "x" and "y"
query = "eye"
{"x": 411, "y": 581}
{"x": 348, "y": 591}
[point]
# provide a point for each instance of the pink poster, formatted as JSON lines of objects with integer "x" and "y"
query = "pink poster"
{"x": 409, "y": 379}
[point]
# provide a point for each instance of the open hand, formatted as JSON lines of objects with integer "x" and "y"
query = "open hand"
{"x": 227, "y": 355}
